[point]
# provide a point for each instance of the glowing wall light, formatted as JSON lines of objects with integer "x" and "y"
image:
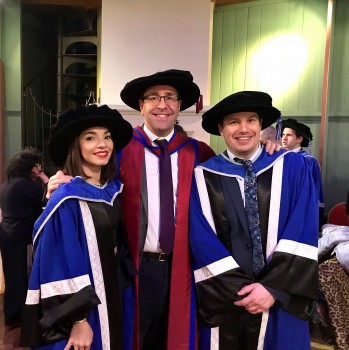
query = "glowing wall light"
{"x": 279, "y": 63}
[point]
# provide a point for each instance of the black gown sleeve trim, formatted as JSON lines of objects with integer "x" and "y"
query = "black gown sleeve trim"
{"x": 217, "y": 295}
{"x": 52, "y": 319}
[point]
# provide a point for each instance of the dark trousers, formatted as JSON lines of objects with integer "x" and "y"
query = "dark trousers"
{"x": 241, "y": 333}
{"x": 154, "y": 286}
{"x": 14, "y": 263}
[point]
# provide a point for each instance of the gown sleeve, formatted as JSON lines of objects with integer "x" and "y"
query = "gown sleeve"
{"x": 217, "y": 275}
{"x": 292, "y": 267}
{"x": 60, "y": 290}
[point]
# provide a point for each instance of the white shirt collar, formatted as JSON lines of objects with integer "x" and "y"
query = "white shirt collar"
{"x": 154, "y": 137}
{"x": 254, "y": 156}
{"x": 296, "y": 149}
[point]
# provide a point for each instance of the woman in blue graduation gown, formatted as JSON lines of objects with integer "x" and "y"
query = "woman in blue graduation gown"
{"x": 74, "y": 296}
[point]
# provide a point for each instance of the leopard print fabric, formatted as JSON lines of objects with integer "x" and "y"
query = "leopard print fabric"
{"x": 334, "y": 284}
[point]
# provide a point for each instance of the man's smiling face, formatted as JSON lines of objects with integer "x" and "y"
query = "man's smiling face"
{"x": 160, "y": 116}
{"x": 241, "y": 133}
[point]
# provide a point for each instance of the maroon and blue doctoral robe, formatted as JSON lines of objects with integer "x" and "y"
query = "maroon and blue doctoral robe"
{"x": 182, "y": 308}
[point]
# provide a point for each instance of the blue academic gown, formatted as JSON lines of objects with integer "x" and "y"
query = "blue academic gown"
{"x": 74, "y": 273}
{"x": 316, "y": 174}
{"x": 222, "y": 254}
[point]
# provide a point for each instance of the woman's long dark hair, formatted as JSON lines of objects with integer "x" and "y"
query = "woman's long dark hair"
{"x": 22, "y": 163}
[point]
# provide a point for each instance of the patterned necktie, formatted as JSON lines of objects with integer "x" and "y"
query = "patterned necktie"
{"x": 166, "y": 199}
{"x": 252, "y": 213}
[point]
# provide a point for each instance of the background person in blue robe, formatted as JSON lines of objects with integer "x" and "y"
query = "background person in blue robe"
{"x": 74, "y": 297}
{"x": 241, "y": 308}
{"x": 295, "y": 136}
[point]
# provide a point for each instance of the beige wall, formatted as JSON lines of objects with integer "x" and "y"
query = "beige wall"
{"x": 143, "y": 37}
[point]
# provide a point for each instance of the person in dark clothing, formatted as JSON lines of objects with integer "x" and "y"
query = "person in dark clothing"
{"x": 21, "y": 204}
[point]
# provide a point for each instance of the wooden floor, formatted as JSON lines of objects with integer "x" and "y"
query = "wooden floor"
{"x": 9, "y": 338}
{"x": 318, "y": 344}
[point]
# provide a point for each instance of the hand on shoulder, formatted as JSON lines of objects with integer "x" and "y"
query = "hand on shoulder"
{"x": 55, "y": 181}
{"x": 271, "y": 147}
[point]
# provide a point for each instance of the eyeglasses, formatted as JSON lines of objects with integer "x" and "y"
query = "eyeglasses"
{"x": 169, "y": 99}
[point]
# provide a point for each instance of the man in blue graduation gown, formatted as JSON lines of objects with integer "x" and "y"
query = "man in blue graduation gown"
{"x": 295, "y": 136}
{"x": 244, "y": 305}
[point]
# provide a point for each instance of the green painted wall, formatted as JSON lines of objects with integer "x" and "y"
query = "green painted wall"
{"x": 10, "y": 35}
{"x": 278, "y": 46}
{"x": 274, "y": 46}
{"x": 336, "y": 180}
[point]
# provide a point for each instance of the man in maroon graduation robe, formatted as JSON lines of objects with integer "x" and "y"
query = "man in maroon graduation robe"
{"x": 169, "y": 324}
